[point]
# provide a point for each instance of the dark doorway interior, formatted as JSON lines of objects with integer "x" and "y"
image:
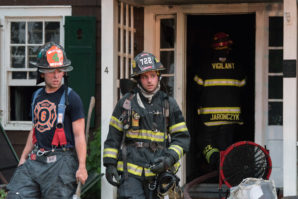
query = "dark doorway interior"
{"x": 200, "y": 30}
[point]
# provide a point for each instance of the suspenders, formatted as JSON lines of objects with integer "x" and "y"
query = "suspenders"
{"x": 59, "y": 135}
{"x": 127, "y": 123}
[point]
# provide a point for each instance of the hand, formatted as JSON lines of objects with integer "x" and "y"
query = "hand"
{"x": 214, "y": 160}
{"x": 82, "y": 175}
{"x": 111, "y": 173}
{"x": 22, "y": 161}
{"x": 212, "y": 156}
{"x": 161, "y": 164}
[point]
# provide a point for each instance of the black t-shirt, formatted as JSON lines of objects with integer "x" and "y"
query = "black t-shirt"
{"x": 46, "y": 112}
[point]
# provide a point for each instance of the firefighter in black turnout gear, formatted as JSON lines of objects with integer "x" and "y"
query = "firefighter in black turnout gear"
{"x": 219, "y": 83}
{"x": 147, "y": 134}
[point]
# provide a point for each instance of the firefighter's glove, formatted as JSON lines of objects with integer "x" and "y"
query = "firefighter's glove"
{"x": 162, "y": 164}
{"x": 212, "y": 156}
{"x": 111, "y": 173}
{"x": 214, "y": 160}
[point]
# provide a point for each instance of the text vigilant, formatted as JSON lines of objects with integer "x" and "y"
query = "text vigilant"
{"x": 220, "y": 66}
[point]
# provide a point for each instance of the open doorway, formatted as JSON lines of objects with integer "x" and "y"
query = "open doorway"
{"x": 200, "y": 30}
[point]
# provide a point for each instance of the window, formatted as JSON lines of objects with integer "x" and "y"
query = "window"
{"x": 275, "y": 74}
{"x": 126, "y": 32}
{"x": 26, "y": 37}
{"x": 26, "y": 29}
{"x": 166, "y": 25}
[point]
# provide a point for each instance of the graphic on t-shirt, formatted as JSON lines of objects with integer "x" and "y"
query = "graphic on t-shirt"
{"x": 44, "y": 115}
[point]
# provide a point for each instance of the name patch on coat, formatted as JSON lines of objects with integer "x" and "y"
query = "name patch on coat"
{"x": 225, "y": 116}
{"x": 220, "y": 65}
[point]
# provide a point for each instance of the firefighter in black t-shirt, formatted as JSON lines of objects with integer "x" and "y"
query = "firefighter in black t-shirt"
{"x": 54, "y": 158}
{"x": 219, "y": 84}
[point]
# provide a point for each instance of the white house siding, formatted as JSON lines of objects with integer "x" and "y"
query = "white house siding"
{"x": 275, "y": 146}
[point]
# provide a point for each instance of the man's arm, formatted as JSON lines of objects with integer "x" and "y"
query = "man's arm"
{"x": 81, "y": 148}
{"x": 180, "y": 137}
{"x": 28, "y": 148}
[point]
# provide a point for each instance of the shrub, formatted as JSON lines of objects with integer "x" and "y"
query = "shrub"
{"x": 93, "y": 163}
{"x": 2, "y": 194}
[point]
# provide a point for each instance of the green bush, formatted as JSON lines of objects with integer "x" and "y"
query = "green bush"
{"x": 2, "y": 194}
{"x": 93, "y": 163}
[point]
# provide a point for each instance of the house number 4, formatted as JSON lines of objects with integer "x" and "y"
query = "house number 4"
{"x": 106, "y": 70}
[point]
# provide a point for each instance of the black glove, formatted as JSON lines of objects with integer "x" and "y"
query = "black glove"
{"x": 214, "y": 160}
{"x": 111, "y": 173}
{"x": 212, "y": 156}
{"x": 162, "y": 164}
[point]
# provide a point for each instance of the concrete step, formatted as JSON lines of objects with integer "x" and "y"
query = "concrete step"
{"x": 206, "y": 191}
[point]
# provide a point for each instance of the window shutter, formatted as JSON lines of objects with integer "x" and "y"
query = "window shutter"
{"x": 80, "y": 47}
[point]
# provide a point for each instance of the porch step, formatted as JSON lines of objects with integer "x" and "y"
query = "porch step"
{"x": 206, "y": 191}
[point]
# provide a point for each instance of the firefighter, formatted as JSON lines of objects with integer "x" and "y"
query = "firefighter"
{"x": 147, "y": 134}
{"x": 54, "y": 156}
{"x": 219, "y": 83}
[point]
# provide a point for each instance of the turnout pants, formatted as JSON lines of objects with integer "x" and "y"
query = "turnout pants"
{"x": 135, "y": 188}
{"x": 49, "y": 176}
{"x": 220, "y": 137}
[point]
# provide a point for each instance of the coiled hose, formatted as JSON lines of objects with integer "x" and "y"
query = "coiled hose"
{"x": 197, "y": 181}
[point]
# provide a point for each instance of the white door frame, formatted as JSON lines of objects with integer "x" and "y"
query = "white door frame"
{"x": 261, "y": 63}
{"x": 290, "y": 100}
{"x": 109, "y": 73}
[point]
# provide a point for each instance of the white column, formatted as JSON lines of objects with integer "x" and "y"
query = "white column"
{"x": 149, "y": 34}
{"x": 2, "y": 71}
{"x": 290, "y": 99}
{"x": 108, "y": 79}
{"x": 180, "y": 79}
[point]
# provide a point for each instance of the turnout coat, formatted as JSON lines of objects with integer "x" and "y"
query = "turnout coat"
{"x": 220, "y": 87}
{"x": 148, "y": 132}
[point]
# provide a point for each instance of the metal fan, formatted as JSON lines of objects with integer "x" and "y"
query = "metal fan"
{"x": 242, "y": 160}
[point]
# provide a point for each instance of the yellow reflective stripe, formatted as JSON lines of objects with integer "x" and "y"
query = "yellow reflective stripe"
{"x": 146, "y": 135}
{"x": 217, "y": 123}
{"x": 209, "y": 153}
{"x": 148, "y": 172}
{"x": 224, "y": 82}
{"x": 137, "y": 170}
{"x": 211, "y": 110}
{"x": 110, "y": 153}
{"x": 131, "y": 168}
{"x": 243, "y": 82}
{"x": 116, "y": 123}
{"x": 180, "y": 127}
{"x": 178, "y": 149}
{"x": 176, "y": 166}
{"x": 198, "y": 80}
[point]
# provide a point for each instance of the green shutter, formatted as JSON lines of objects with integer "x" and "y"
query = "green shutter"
{"x": 80, "y": 47}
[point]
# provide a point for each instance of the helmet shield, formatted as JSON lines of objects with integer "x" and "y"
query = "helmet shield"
{"x": 145, "y": 62}
{"x": 222, "y": 41}
{"x": 52, "y": 56}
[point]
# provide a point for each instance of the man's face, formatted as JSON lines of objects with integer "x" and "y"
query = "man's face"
{"x": 149, "y": 81}
{"x": 53, "y": 79}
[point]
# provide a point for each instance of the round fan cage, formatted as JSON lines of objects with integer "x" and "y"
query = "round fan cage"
{"x": 242, "y": 160}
